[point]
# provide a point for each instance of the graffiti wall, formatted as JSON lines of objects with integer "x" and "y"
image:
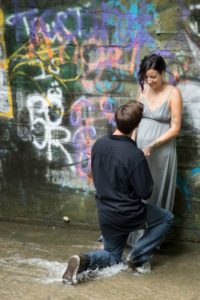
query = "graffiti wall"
{"x": 64, "y": 68}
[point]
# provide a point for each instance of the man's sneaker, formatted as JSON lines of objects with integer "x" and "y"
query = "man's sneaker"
{"x": 145, "y": 268}
{"x": 76, "y": 265}
{"x": 100, "y": 239}
{"x": 70, "y": 274}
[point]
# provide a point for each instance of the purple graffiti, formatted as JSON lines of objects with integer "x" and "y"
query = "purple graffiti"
{"x": 84, "y": 137}
{"x": 80, "y": 111}
{"x": 19, "y": 19}
{"x": 107, "y": 108}
{"x": 83, "y": 140}
{"x": 131, "y": 24}
{"x": 128, "y": 26}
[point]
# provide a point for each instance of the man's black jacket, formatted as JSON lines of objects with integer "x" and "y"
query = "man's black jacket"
{"x": 121, "y": 178}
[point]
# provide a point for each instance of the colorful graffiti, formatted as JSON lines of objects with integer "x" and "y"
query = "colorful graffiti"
{"x": 74, "y": 65}
{"x": 189, "y": 185}
{"x": 65, "y": 66}
{"x": 55, "y": 53}
{"x": 6, "y": 107}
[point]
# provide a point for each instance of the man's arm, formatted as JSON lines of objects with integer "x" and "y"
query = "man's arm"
{"x": 141, "y": 180}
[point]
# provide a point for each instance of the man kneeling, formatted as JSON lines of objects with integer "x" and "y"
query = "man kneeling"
{"x": 122, "y": 179}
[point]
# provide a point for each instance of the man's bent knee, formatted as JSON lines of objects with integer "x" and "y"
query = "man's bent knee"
{"x": 169, "y": 218}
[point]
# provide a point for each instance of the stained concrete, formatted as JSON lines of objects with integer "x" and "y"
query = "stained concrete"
{"x": 33, "y": 258}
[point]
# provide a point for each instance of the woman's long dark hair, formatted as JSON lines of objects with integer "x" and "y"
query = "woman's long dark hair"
{"x": 152, "y": 61}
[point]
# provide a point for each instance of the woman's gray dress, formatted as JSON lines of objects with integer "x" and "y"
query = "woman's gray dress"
{"x": 162, "y": 162}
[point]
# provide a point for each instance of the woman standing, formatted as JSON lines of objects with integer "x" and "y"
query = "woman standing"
{"x": 156, "y": 134}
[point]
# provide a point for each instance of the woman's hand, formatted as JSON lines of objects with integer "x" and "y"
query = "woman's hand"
{"x": 147, "y": 151}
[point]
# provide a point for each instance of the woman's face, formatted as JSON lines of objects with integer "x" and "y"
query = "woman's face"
{"x": 153, "y": 78}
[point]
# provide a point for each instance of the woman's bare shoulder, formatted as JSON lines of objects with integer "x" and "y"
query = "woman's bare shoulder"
{"x": 175, "y": 91}
{"x": 175, "y": 97}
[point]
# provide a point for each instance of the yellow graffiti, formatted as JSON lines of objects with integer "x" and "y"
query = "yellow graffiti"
{"x": 5, "y": 93}
{"x": 40, "y": 53}
{"x": 49, "y": 59}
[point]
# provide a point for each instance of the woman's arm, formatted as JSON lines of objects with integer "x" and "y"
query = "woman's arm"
{"x": 176, "y": 106}
{"x": 138, "y": 98}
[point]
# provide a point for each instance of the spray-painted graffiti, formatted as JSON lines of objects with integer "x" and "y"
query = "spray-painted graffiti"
{"x": 189, "y": 185}
{"x": 189, "y": 181}
{"x": 191, "y": 110}
{"x": 70, "y": 64}
{"x": 45, "y": 126}
{"x": 83, "y": 116}
{"x": 76, "y": 64}
{"x": 6, "y": 109}
{"x": 52, "y": 52}
{"x": 52, "y": 48}
{"x": 85, "y": 135}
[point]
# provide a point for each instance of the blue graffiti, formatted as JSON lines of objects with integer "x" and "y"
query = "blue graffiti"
{"x": 183, "y": 184}
{"x": 130, "y": 24}
{"x": 195, "y": 170}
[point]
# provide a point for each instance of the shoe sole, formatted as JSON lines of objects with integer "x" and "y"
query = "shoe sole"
{"x": 70, "y": 275}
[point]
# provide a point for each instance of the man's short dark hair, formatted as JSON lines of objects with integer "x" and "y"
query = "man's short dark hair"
{"x": 128, "y": 116}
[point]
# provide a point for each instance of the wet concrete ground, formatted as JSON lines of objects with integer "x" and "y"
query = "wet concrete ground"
{"x": 33, "y": 259}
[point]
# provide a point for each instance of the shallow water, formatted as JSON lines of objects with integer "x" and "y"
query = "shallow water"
{"x": 33, "y": 259}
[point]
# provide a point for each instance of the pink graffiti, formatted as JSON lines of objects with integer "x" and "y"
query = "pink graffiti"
{"x": 112, "y": 56}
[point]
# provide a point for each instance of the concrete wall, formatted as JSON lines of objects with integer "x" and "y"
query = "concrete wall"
{"x": 64, "y": 68}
